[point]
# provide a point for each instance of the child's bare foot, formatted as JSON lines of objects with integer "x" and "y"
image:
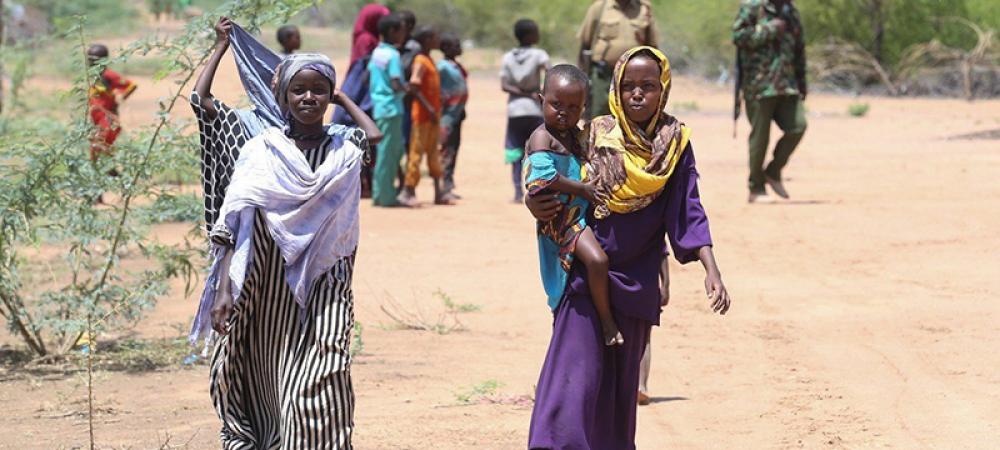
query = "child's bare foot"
{"x": 611, "y": 334}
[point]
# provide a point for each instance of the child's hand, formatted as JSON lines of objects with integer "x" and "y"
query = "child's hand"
{"x": 222, "y": 30}
{"x": 716, "y": 292}
{"x": 594, "y": 195}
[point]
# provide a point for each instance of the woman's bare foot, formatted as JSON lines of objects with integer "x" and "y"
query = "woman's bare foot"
{"x": 611, "y": 334}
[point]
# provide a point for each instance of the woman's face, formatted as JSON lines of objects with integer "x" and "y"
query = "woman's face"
{"x": 640, "y": 89}
{"x": 308, "y": 96}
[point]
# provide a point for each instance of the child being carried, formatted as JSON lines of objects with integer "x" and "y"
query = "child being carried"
{"x": 552, "y": 165}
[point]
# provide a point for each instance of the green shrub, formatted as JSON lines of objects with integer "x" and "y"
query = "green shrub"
{"x": 175, "y": 208}
{"x": 116, "y": 17}
{"x": 857, "y": 109}
{"x": 478, "y": 392}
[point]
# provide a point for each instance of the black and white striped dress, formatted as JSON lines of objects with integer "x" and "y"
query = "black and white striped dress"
{"x": 280, "y": 378}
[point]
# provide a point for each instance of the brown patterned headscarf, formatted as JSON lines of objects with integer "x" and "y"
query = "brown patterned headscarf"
{"x": 628, "y": 163}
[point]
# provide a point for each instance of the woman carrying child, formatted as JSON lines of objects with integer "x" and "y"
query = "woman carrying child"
{"x": 641, "y": 159}
{"x": 552, "y": 164}
{"x": 283, "y": 221}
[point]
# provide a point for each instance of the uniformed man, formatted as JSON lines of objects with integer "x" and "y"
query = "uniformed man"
{"x": 610, "y": 28}
{"x": 772, "y": 67}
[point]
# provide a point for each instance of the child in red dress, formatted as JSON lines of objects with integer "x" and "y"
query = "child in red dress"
{"x": 103, "y": 100}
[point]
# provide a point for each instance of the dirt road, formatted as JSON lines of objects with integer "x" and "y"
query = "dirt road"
{"x": 864, "y": 310}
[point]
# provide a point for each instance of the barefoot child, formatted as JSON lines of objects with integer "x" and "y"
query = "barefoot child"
{"x": 553, "y": 166}
{"x": 454, "y": 96}
{"x": 104, "y": 103}
{"x": 426, "y": 117}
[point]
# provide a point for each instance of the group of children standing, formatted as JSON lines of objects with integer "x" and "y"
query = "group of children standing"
{"x": 418, "y": 105}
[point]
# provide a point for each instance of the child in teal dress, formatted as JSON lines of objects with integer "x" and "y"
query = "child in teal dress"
{"x": 553, "y": 164}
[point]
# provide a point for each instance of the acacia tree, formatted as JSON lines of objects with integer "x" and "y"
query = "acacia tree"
{"x": 47, "y": 192}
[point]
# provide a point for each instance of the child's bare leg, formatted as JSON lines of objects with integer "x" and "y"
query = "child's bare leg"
{"x": 590, "y": 253}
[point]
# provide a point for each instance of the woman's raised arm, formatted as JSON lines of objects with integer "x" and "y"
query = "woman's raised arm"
{"x": 364, "y": 122}
{"x": 204, "y": 84}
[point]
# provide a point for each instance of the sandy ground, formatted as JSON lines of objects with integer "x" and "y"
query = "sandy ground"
{"x": 862, "y": 311}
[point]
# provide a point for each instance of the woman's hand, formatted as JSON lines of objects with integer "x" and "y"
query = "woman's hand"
{"x": 714, "y": 289}
{"x": 338, "y": 97}
{"x": 222, "y": 30}
{"x": 716, "y": 292}
{"x": 364, "y": 122}
{"x": 222, "y": 309}
{"x": 544, "y": 207}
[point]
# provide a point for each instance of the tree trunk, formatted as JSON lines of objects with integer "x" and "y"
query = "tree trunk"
{"x": 22, "y": 323}
{"x": 876, "y": 10}
{"x": 1, "y": 64}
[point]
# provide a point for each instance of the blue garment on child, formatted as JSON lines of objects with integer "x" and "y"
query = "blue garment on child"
{"x": 557, "y": 237}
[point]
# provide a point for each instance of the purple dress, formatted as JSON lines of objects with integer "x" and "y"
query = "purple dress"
{"x": 586, "y": 394}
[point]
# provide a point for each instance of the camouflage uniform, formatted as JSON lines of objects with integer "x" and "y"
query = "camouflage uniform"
{"x": 613, "y": 28}
{"x": 772, "y": 75}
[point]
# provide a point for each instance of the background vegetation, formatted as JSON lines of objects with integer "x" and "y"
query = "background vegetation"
{"x": 697, "y": 34}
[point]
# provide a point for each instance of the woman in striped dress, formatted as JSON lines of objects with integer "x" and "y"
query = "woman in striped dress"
{"x": 281, "y": 197}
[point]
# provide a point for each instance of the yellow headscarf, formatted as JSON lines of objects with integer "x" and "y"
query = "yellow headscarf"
{"x": 631, "y": 165}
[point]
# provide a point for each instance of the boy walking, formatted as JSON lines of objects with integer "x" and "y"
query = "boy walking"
{"x": 454, "y": 96}
{"x": 521, "y": 78}
{"x": 387, "y": 89}
{"x": 426, "y": 117}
